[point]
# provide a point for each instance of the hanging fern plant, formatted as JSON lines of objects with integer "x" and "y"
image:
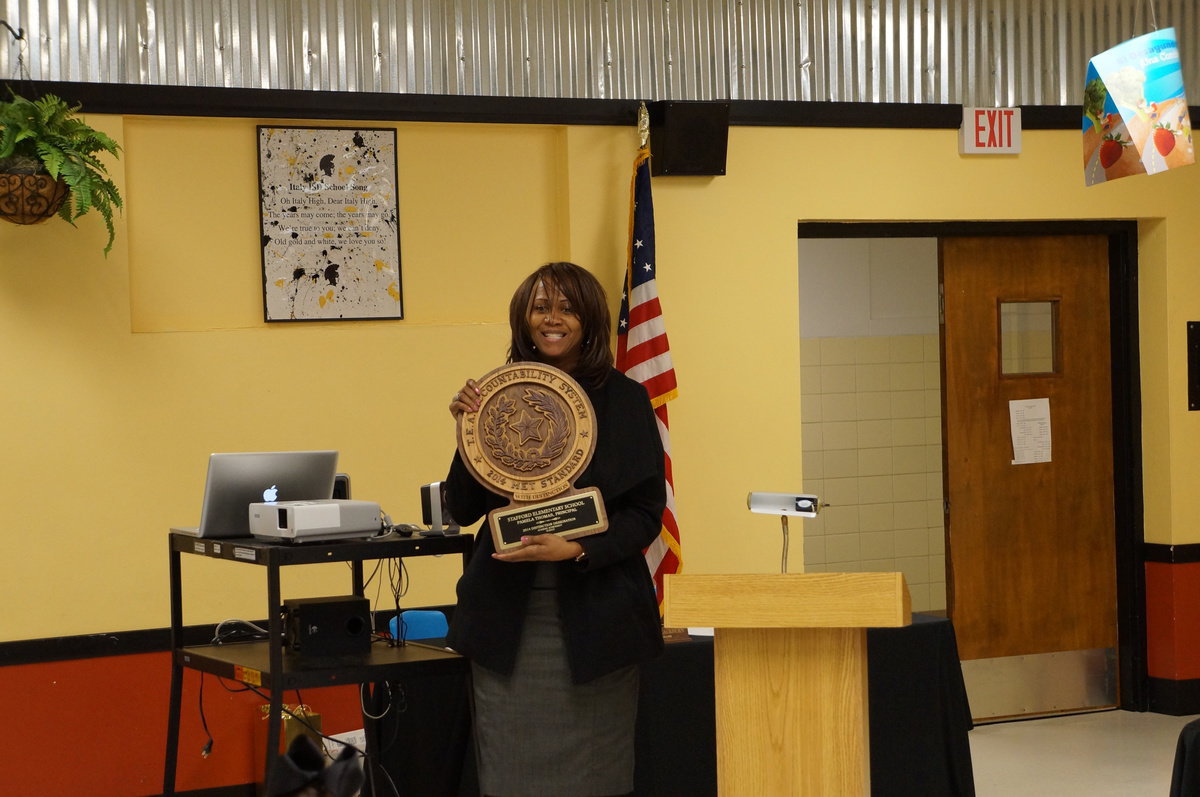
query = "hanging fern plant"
{"x": 46, "y": 137}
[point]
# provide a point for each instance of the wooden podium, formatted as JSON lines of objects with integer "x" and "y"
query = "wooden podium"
{"x": 790, "y": 660}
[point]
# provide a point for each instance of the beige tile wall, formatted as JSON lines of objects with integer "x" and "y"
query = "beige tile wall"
{"x": 872, "y": 448}
{"x": 1027, "y": 352}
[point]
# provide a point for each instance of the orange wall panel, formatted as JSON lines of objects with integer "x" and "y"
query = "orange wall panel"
{"x": 99, "y": 726}
{"x": 1173, "y": 620}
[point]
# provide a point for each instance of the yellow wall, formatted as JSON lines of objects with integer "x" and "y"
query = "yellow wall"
{"x": 122, "y": 374}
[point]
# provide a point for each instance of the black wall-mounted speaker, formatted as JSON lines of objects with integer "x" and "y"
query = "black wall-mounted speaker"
{"x": 688, "y": 137}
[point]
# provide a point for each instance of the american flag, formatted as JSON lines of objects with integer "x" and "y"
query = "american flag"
{"x": 644, "y": 355}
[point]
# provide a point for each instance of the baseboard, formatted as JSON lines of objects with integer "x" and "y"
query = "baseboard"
{"x": 1177, "y": 698}
{"x": 243, "y": 790}
{"x": 1171, "y": 554}
{"x": 126, "y": 643}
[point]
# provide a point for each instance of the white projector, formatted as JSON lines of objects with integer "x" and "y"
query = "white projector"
{"x": 314, "y": 521}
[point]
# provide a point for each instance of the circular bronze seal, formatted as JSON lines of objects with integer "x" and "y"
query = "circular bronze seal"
{"x": 533, "y": 434}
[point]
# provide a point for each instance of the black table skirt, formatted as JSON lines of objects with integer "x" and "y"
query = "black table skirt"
{"x": 918, "y": 711}
{"x": 1185, "y": 777}
{"x": 919, "y": 719}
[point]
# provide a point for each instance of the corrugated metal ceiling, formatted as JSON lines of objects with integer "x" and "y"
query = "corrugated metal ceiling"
{"x": 973, "y": 52}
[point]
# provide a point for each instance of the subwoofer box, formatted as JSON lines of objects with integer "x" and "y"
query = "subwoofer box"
{"x": 327, "y": 627}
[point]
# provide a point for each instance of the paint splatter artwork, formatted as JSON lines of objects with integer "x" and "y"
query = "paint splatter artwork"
{"x": 330, "y": 224}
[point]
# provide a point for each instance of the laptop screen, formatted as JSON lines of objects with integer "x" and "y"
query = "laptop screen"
{"x": 236, "y": 480}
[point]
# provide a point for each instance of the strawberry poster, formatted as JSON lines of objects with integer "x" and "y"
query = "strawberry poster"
{"x": 1135, "y": 114}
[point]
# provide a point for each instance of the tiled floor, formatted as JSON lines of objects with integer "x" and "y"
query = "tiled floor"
{"x": 1108, "y": 754}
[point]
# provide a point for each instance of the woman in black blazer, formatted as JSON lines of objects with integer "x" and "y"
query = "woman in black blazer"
{"x": 555, "y": 629}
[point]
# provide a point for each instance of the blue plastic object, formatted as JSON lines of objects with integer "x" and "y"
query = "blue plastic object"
{"x": 420, "y": 624}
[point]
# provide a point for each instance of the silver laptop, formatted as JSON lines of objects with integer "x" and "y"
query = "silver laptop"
{"x": 237, "y": 480}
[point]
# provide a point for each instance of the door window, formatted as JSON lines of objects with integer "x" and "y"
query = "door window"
{"x": 1028, "y": 334}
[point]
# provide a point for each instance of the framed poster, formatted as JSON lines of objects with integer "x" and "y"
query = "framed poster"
{"x": 330, "y": 223}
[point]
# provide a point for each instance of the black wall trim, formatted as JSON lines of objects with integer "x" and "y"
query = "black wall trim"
{"x": 1172, "y": 554}
{"x": 1178, "y": 698}
{"x": 888, "y": 115}
{"x": 119, "y": 98}
{"x": 243, "y": 790}
{"x": 768, "y": 113}
{"x": 94, "y": 646}
{"x": 155, "y": 100}
{"x": 1125, "y": 347}
{"x": 951, "y": 229}
{"x": 88, "y": 646}
{"x": 128, "y": 643}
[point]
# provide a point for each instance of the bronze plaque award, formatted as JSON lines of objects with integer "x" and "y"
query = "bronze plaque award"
{"x": 532, "y": 436}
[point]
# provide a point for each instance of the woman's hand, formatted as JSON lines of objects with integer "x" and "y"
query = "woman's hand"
{"x": 465, "y": 400}
{"x": 542, "y": 548}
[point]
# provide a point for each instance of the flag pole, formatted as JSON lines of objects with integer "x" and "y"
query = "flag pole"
{"x": 643, "y": 125}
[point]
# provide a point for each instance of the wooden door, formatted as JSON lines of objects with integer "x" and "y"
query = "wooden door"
{"x": 1030, "y": 547}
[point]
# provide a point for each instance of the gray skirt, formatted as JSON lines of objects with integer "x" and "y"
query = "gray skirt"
{"x": 538, "y": 734}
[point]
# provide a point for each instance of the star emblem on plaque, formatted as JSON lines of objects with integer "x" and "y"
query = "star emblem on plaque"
{"x": 532, "y": 436}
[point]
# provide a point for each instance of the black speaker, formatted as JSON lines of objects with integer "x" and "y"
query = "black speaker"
{"x": 327, "y": 627}
{"x": 434, "y": 513}
{"x": 688, "y": 137}
{"x": 341, "y": 485}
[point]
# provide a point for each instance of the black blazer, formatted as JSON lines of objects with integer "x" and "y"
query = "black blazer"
{"x": 607, "y": 602}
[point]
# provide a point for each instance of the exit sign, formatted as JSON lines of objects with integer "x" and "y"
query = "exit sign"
{"x": 990, "y": 131}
